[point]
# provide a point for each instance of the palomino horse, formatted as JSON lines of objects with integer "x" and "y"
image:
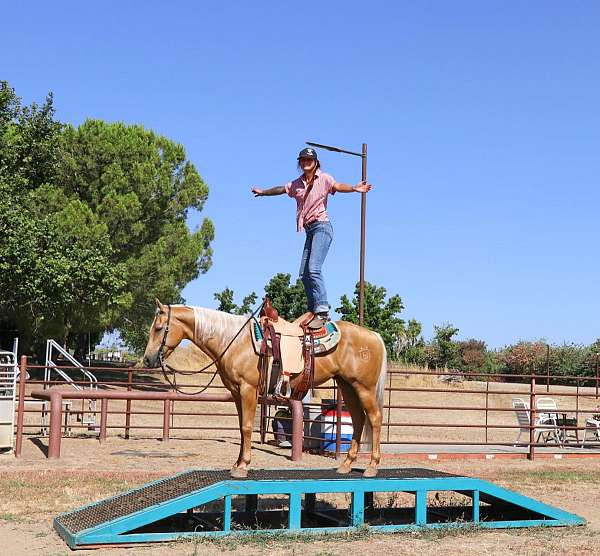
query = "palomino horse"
{"x": 358, "y": 363}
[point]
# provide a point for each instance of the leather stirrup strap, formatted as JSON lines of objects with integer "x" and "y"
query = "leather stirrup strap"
{"x": 308, "y": 374}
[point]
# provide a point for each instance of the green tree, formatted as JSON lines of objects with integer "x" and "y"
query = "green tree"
{"x": 140, "y": 187}
{"x": 226, "y": 303}
{"x": 445, "y": 349}
{"x": 289, "y": 299}
{"x": 380, "y": 314}
{"x": 54, "y": 258}
{"x": 410, "y": 346}
{"x": 93, "y": 225}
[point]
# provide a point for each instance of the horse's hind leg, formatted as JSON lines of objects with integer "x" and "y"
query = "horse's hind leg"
{"x": 358, "y": 421}
{"x": 368, "y": 399}
{"x": 246, "y": 411}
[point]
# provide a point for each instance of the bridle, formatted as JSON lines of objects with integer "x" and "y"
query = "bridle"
{"x": 174, "y": 371}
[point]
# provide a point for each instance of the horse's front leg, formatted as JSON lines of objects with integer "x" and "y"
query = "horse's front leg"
{"x": 246, "y": 413}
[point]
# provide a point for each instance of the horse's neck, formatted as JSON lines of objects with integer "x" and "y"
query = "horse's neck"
{"x": 214, "y": 330}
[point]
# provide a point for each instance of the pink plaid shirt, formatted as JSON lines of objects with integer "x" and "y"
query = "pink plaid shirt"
{"x": 314, "y": 207}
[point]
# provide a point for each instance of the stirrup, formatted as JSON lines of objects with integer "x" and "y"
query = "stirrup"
{"x": 317, "y": 322}
{"x": 283, "y": 382}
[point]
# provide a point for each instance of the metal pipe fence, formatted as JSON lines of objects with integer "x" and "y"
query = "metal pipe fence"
{"x": 423, "y": 411}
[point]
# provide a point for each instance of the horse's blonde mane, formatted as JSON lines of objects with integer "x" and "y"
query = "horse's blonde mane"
{"x": 210, "y": 323}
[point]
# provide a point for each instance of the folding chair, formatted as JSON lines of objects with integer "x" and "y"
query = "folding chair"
{"x": 593, "y": 426}
{"x": 545, "y": 424}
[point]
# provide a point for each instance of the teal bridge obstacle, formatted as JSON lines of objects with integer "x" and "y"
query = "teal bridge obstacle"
{"x": 211, "y": 503}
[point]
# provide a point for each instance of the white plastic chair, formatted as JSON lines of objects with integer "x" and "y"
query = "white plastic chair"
{"x": 522, "y": 411}
{"x": 548, "y": 417}
{"x": 593, "y": 426}
{"x": 545, "y": 407}
{"x": 545, "y": 423}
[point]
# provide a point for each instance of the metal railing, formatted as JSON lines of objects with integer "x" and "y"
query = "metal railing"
{"x": 87, "y": 417}
{"x": 421, "y": 412}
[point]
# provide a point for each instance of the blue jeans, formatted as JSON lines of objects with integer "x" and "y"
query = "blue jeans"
{"x": 318, "y": 239}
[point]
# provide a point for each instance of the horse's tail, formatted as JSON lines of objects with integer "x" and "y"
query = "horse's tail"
{"x": 382, "y": 375}
{"x": 379, "y": 391}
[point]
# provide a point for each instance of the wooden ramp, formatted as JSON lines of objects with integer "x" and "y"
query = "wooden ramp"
{"x": 211, "y": 503}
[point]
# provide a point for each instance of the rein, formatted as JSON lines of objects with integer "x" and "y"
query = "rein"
{"x": 216, "y": 360}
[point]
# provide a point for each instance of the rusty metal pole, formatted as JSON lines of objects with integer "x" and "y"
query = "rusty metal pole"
{"x": 21, "y": 406}
{"x": 54, "y": 434}
{"x": 103, "y": 419}
{"x": 363, "y": 216}
{"x": 361, "y": 279}
{"x": 597, "y": 355}
{"x": 532, "y": 418}
{"x": 363, "y": 227}
{"x": 297, "y": 428}
{"x": 166, "y": 420}
{"x": 547, "y": 368}
{"x": 128, "y": 403}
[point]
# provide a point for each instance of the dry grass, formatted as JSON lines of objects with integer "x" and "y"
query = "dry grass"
{"x": 28, "y": 503}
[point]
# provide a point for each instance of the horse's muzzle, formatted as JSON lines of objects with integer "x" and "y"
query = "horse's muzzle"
{"x": 151, "y": 361}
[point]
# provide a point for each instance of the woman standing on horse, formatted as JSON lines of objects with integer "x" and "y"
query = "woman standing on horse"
{"x": 310, "y": 191}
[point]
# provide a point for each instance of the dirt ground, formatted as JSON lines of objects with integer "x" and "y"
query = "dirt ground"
{"x": 33, "y": 490}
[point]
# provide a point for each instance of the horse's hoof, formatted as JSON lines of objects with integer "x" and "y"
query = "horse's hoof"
{"x": 343, "y": 469}
{"x": 238, "y": 472}
{"x": 370, "y": 472}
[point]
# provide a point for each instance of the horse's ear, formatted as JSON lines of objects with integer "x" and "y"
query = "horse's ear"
{"x": 159, "y": 305}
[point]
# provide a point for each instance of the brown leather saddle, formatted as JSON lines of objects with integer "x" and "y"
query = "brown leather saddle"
{"x": 288, "y": 349}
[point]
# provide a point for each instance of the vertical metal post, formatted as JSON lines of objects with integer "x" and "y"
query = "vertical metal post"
{"x": 363, "y": 226}
{"x": 487, "y": 396}
{"x": 295, "y": 513}
{"x": 297, "y": 428}
{"x": 21, "y": 406}
{"x": 576, "y": 415}
{"x": 54, "y": 433}
{"x": 389, "y": 405}
{"x": 532, "y": 418}
{"x": 227, "y": 514}
{"x": 103, "y": 419}
{"x": 597, "y": 355}
{"x": 358, "y": 508}
{"x": 475, "y": 506}
{"x": 166, "y": 419}
{"x": 547, "y": 368}
{"x": 128, "y": 403}
{"x": 421, "y": 507}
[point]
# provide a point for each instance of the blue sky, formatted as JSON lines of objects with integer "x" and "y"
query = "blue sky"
{"x": 481, "y": 118}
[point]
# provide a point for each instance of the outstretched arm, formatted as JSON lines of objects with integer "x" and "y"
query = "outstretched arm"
{"x": 279, "y": 190}
{"x": 361, "y": 187}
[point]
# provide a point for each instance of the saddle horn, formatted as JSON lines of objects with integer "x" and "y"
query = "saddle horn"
{"x": 269, "y": 311}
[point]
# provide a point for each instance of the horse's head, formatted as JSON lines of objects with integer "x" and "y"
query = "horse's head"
{"x": 171, "y": 324}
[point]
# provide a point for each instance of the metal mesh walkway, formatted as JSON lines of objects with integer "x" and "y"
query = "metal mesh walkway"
{"x": 191, "y": 481}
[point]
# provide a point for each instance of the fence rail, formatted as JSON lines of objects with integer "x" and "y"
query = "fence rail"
{"x": 422, "y": 409}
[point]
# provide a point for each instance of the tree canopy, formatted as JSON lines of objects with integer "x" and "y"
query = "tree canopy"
{"x": 226, "y": 303}
{"x": 289, "y": 299}
{"x": 379, "y": 314}
{"x": 93, "y": 225}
